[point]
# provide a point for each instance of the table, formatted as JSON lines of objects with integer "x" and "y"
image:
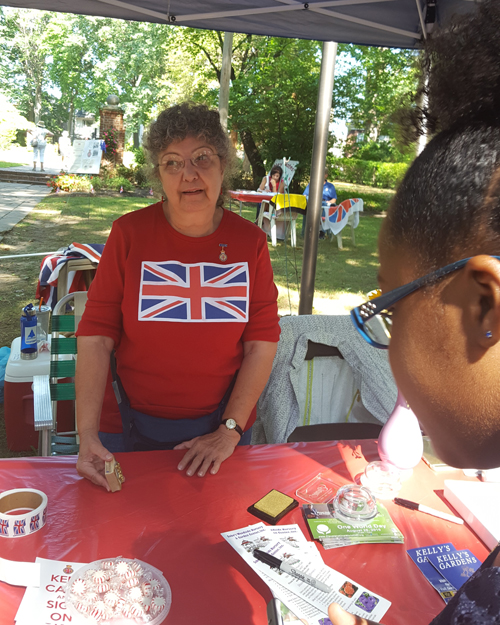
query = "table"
{"x": 174, "y": 522}
{"x": 254, "y": 197}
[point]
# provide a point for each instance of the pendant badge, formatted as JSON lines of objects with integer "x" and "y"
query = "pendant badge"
{"x": 222, "y": 255}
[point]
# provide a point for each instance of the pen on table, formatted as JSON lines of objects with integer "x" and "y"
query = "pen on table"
{"x": 290, "y": 569}
{"x": 421, "y": 508}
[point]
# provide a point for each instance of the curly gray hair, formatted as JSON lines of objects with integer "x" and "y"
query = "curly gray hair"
{"x": 183, "y": 120}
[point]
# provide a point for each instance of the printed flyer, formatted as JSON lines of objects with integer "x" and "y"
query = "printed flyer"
{"x": 344, "y": 591}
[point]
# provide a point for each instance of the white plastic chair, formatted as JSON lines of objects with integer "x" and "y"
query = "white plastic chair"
{"x": 282, "y": 209}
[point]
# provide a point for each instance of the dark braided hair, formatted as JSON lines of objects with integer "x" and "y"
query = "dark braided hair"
{"x": 448, "y": 205}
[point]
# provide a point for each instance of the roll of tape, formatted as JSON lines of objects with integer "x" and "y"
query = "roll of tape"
{"x": 31, "y": 506}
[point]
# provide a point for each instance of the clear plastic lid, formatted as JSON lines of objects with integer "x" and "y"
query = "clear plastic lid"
{"x": 318, "y": 490}
{"x": 382, "y": 479}
{"x": 355, "y": 504}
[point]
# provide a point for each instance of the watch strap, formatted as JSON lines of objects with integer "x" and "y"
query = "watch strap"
{"x": 236, "y": 428}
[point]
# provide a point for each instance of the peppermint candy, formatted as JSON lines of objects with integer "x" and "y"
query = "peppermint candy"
{"x": 79, "y": 587}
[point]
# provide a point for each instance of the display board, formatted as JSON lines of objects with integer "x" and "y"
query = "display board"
{"x": 86, "y": 157}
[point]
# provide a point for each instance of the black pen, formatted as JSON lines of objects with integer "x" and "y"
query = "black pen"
{"x": 421, "y": 508}
{"x": 284, "y": 566}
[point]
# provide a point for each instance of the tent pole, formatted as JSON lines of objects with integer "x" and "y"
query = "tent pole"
{"x": 225, "y": 77}
{"x": 318, "y": 161}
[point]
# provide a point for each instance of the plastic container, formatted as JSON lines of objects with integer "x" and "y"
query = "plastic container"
{"x": 318, "y": 490}
{"x": 355, "y": 505}
{"x": 382, "y": 479}
{"x": 42, "y": 328}
{"x": 105, "y": 596}
{"x": 29, "y": 345}
{"x": 18, "y": 399}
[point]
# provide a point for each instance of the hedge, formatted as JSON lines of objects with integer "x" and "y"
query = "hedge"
{"x": 371, "y": 173}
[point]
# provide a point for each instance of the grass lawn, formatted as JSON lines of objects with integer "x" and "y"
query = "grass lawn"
{"x": 342, "y": 276}
{"x": 4, "y": 164}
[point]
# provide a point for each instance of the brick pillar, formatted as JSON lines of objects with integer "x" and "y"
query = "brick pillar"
{"x": 111, "y": 117}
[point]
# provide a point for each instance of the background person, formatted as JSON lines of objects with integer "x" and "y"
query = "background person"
{"x": 272, "y": 183}
{"x": 445, "y": 337}
{"x": 329, "y": 198}
{"x": 177, "y": 296}
{"x": 39, "y": 136}
{"x": 64, "y": 148}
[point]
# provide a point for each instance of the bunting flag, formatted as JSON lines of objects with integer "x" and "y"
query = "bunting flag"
{"x": 51, "y": 265}
{"x": 336, "y": 217}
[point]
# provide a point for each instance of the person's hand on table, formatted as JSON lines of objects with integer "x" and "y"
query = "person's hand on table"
{"x": 91, "y": 459}
{"x": 338, "y": 616}
{"x": 208, "y": 451}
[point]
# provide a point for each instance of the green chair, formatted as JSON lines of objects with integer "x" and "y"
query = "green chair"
{"x": 49, "y": 390}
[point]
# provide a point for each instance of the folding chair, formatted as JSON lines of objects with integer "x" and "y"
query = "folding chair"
{"x": 50, "y": 389}
{"x": 283, "y": 208}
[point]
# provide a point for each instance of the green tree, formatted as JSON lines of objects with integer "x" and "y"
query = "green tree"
{"x": 23, "y": 51}
{"x": 370, "y": 86}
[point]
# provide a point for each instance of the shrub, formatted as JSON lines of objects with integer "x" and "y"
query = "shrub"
{"x": 372, "y": 173}
{"x": 71, "y": 182}
{"x": 119, "y": 182}
{"x": 140, "y": 157}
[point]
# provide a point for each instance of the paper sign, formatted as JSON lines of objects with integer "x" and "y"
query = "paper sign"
{"x": 86, "y": 157}
{"x": 19, "y": 573}
{"x": 46, "y": 605}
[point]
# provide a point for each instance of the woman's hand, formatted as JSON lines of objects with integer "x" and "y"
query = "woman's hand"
{"x": 208, "y": 450}
{"x": 338, "y": 616}
{"x": 91, "y": 459}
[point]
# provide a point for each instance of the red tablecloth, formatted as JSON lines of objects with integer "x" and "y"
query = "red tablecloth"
{"x": 174, "y": 522}
{"x": 250, "y": 196}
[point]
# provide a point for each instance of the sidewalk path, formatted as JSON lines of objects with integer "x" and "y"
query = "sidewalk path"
{"x": 16, "y": 201}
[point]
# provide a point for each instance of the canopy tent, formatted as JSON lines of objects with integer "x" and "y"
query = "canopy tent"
{"x": 387, "y": 23}
{"x": 384, "y": 23}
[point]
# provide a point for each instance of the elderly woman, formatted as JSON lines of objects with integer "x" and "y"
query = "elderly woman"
{"x": 440, "y": 277}
{"x": 185, "y": 296}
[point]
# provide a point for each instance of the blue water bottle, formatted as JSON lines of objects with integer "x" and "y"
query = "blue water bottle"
{"x": 29, "y": 344}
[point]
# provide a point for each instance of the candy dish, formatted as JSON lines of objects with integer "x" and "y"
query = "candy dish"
{"x": 118, "y": 591}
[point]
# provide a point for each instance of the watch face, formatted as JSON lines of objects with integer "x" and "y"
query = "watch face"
{"x": 230, "y": 424}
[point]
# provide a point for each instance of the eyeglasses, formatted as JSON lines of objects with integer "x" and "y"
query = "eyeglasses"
{"x": 200, "y": 160}
{"x": 373, "y": 319}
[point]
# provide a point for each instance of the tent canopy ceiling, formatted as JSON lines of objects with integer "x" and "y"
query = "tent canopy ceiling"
{"x": 387, "y": 23}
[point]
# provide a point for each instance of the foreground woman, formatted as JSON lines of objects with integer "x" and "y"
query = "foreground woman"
{"x": 440, "y": 277}
{"x": 185, "y": 295}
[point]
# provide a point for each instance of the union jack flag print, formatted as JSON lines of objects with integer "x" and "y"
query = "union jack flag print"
{"x": 4, "y": 527}
{"x": 19, "y": 527}
{"x": 35, "y": 523}
{"x": 201, "y": 292}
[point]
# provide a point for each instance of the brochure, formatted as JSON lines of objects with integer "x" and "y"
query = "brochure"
{"x": 419, "y": 556}
{"x": 297, "y": 595}
{"x": 333, "y": 532}
{"x": 455, "y": 566}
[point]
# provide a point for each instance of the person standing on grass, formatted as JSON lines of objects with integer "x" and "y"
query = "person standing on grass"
{"x": 37, "y": 138}
{"x": 64, "y": 148}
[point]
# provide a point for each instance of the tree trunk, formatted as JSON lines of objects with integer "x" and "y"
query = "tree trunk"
{"x": 70, "y": 119}
{"x": 253, "y": 155}
{"x": 38, "y": 102}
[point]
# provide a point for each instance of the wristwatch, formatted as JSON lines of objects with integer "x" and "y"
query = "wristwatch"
{"x": 232, "y": 425}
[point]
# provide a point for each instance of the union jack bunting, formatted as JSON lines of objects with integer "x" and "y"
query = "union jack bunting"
{"x": 337, "y": 216}
{"x": 4, "y": 527}
{"x": 35, "y": 523}
{"x": 19, "y": 527}
{"x": 173, "y": 291}
{"x": 51, "y": 265}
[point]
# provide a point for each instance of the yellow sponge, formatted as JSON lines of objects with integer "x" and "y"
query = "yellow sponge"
{"x": 273, "y": 506}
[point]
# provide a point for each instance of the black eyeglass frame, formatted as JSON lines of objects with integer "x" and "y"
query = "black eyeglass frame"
{"x": 366, "y": 311}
